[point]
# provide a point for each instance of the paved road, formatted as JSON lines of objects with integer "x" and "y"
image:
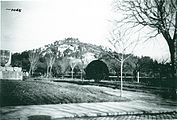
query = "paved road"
{"x": 118, "y": 110}
{"x": 154, "y": 116}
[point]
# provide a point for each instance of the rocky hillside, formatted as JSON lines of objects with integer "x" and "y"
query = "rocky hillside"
{"x": 72, "y": 47}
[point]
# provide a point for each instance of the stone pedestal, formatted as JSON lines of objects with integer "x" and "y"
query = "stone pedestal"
{"x": 6, "y": 71}
{"x": 10, "y": 73}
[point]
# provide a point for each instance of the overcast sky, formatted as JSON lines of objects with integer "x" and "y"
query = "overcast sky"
{"x": 43, "y": 22}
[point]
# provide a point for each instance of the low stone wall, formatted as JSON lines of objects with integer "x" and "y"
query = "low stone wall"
{"x": 13, "y": 73}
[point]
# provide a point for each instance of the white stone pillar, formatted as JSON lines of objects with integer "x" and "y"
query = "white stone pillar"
{"x": 138, "y": 77}
{"x": 9, "y": 61}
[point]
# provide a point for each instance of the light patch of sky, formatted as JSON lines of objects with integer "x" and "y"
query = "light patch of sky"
{"x": 43, "y": 22}
{"x": 156, "y": 48}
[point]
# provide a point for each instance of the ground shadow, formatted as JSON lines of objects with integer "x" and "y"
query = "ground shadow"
{"x": 39, "y": 117}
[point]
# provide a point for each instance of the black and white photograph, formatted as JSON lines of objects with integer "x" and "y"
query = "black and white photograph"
{"x": 88, "y": 60}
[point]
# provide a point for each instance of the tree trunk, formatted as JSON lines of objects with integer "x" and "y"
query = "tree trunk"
{"x": 81, "y": 75}
{"x": 175, "y": 50}
{"x": 135, "y": 75}
{"x": 172, "y": 56}
{"x": 30, "y": 71}
{"x": 171, "y": 44}
{"x": 121, "y": 79}
{"x": 173, "y": 53}
{"x": 47, "y": 71}
{"x": 72, "y": 71}
{"x": 50, "y": 73}
{"x": 173, "y": 61}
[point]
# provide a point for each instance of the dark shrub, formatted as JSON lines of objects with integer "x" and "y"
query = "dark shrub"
{"x": 97, "y": 70}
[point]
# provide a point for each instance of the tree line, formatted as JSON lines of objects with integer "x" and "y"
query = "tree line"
{"x": 53, "y": 63}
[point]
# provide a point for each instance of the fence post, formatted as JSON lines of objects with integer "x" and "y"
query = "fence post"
{"x": 138, "y": 77}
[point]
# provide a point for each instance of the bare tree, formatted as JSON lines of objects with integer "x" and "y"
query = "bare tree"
{"x": 50, "y": 57}
{"x": 79, "y": 54}
{"x": 73, "y": 63}
{"x": 160, "y": 15}
{"x": 34, "y": 58}
{"x": 64, "y": 64}
{"x": 123, "y": 47}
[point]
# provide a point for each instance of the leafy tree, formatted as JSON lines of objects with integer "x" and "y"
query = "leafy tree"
{"x": 57, "y": 70}
{"x": 145, "y": 65}
{"x": 113, "y": 65}
{"x": 64, "y": 64}
{"x": 21, "y": 60}
{"x": 41, "y": 68}
{"x": 16, "y": 60}
{"x": 25, "y": 61}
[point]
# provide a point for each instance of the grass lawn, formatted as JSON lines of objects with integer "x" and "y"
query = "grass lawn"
{"x": 14, "y": 93}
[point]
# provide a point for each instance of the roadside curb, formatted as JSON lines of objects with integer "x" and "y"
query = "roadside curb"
{"x": 111, "y": 114}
